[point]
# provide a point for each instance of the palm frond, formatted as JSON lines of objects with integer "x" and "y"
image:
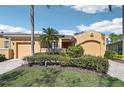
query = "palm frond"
{"x": 48, "y": 6}
{"x": 44, "y": 31}
{"x": 110, "y": 8}
{"x": 50, "y": 35}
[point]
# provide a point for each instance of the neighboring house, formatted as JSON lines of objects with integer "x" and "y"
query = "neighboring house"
{"x": 19, "y": 45}
{"x": 115, "y": 46}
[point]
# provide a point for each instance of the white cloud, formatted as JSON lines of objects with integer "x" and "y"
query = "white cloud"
{"x": 91, "y": 8}
{"x": 12, "y": 29}
{"x": 67, "y": 32}
{"x": 82, "y": 27}
{"x": 105, "y": 26}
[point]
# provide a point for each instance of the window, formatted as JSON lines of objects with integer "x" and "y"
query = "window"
{"x": 44, "y": 44}
{"x": 119, "y": 48}
{"x": 54, "y": 45}
{"x": 6, "y": 44}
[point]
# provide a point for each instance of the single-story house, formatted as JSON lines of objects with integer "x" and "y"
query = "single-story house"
{"x": 18, "y": 45}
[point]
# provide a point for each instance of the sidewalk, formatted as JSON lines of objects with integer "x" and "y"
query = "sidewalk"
{"x": 116, "y": 69}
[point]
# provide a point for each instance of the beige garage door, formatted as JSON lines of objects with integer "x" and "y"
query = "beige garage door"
{"x": 92, "y": 48}
{"x": 23, "y": 50}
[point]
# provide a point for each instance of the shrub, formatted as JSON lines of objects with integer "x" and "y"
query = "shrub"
{"x": 109, "y": 54}
{"x": 48, "y": 59}
{"x": 2, "y": 57}
{"x": 117, "y": 56}
{"x": 63, "y": 54}
{"x": 64, "y": 61}
{"x": 75, "y": 51}
{"x": 102, "y": 65}
{"x": 97, "y": 64}
{"x": 30, "y": 60}
{"x": 112, "y": 55}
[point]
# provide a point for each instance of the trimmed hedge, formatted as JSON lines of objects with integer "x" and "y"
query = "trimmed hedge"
{"x": 97, "y": 64}
{"x": 117, "y": 56}
{"x": 46, "y": 57}
{"x": 2, "y": 57}
{"x": 42, "y": 58}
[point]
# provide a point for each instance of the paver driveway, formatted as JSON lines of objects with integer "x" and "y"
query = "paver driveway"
{"x": 10, "y": 64}
{"x": 116, "y": 69}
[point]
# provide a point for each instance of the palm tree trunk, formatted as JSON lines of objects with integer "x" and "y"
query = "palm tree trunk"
{"x": 32, "y": 28}
{"x": 123, "y": 31}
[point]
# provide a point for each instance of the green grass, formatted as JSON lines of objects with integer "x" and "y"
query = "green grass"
{"x": 37, "y": 76}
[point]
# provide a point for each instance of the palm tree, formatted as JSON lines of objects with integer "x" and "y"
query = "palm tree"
{"x": 123, "y": 31}
{"x": 49, "y": 36}
{"x": 32, "y": 28}
{"x": 110, "y": 8}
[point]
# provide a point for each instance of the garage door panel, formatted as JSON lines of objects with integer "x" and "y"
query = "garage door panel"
{"x": 23, "y": 50}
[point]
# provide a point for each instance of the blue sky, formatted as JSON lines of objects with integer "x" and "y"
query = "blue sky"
{"x": 65, "y": 19}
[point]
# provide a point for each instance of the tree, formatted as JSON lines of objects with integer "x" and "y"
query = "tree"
{"x": 115, "y": 37}
{"x": 49, "y": 35}
{"x": 110, "y": 8}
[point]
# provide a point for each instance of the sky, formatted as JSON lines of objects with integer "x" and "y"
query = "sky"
{"x": 68, "y": 19}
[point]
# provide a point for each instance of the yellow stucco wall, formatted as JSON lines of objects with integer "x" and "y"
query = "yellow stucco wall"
{"x": 60, "y": 43}
{"x": 6, "y": 51}
{"x": 92, "y": 42}
{"x": 2, "y": 42}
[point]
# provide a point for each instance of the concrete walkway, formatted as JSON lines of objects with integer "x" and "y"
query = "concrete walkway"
{"x": 10, "y": 64}
{"x": 116, "y": 70}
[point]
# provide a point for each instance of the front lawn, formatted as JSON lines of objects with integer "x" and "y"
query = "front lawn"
{"x": 56, "y": 76}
